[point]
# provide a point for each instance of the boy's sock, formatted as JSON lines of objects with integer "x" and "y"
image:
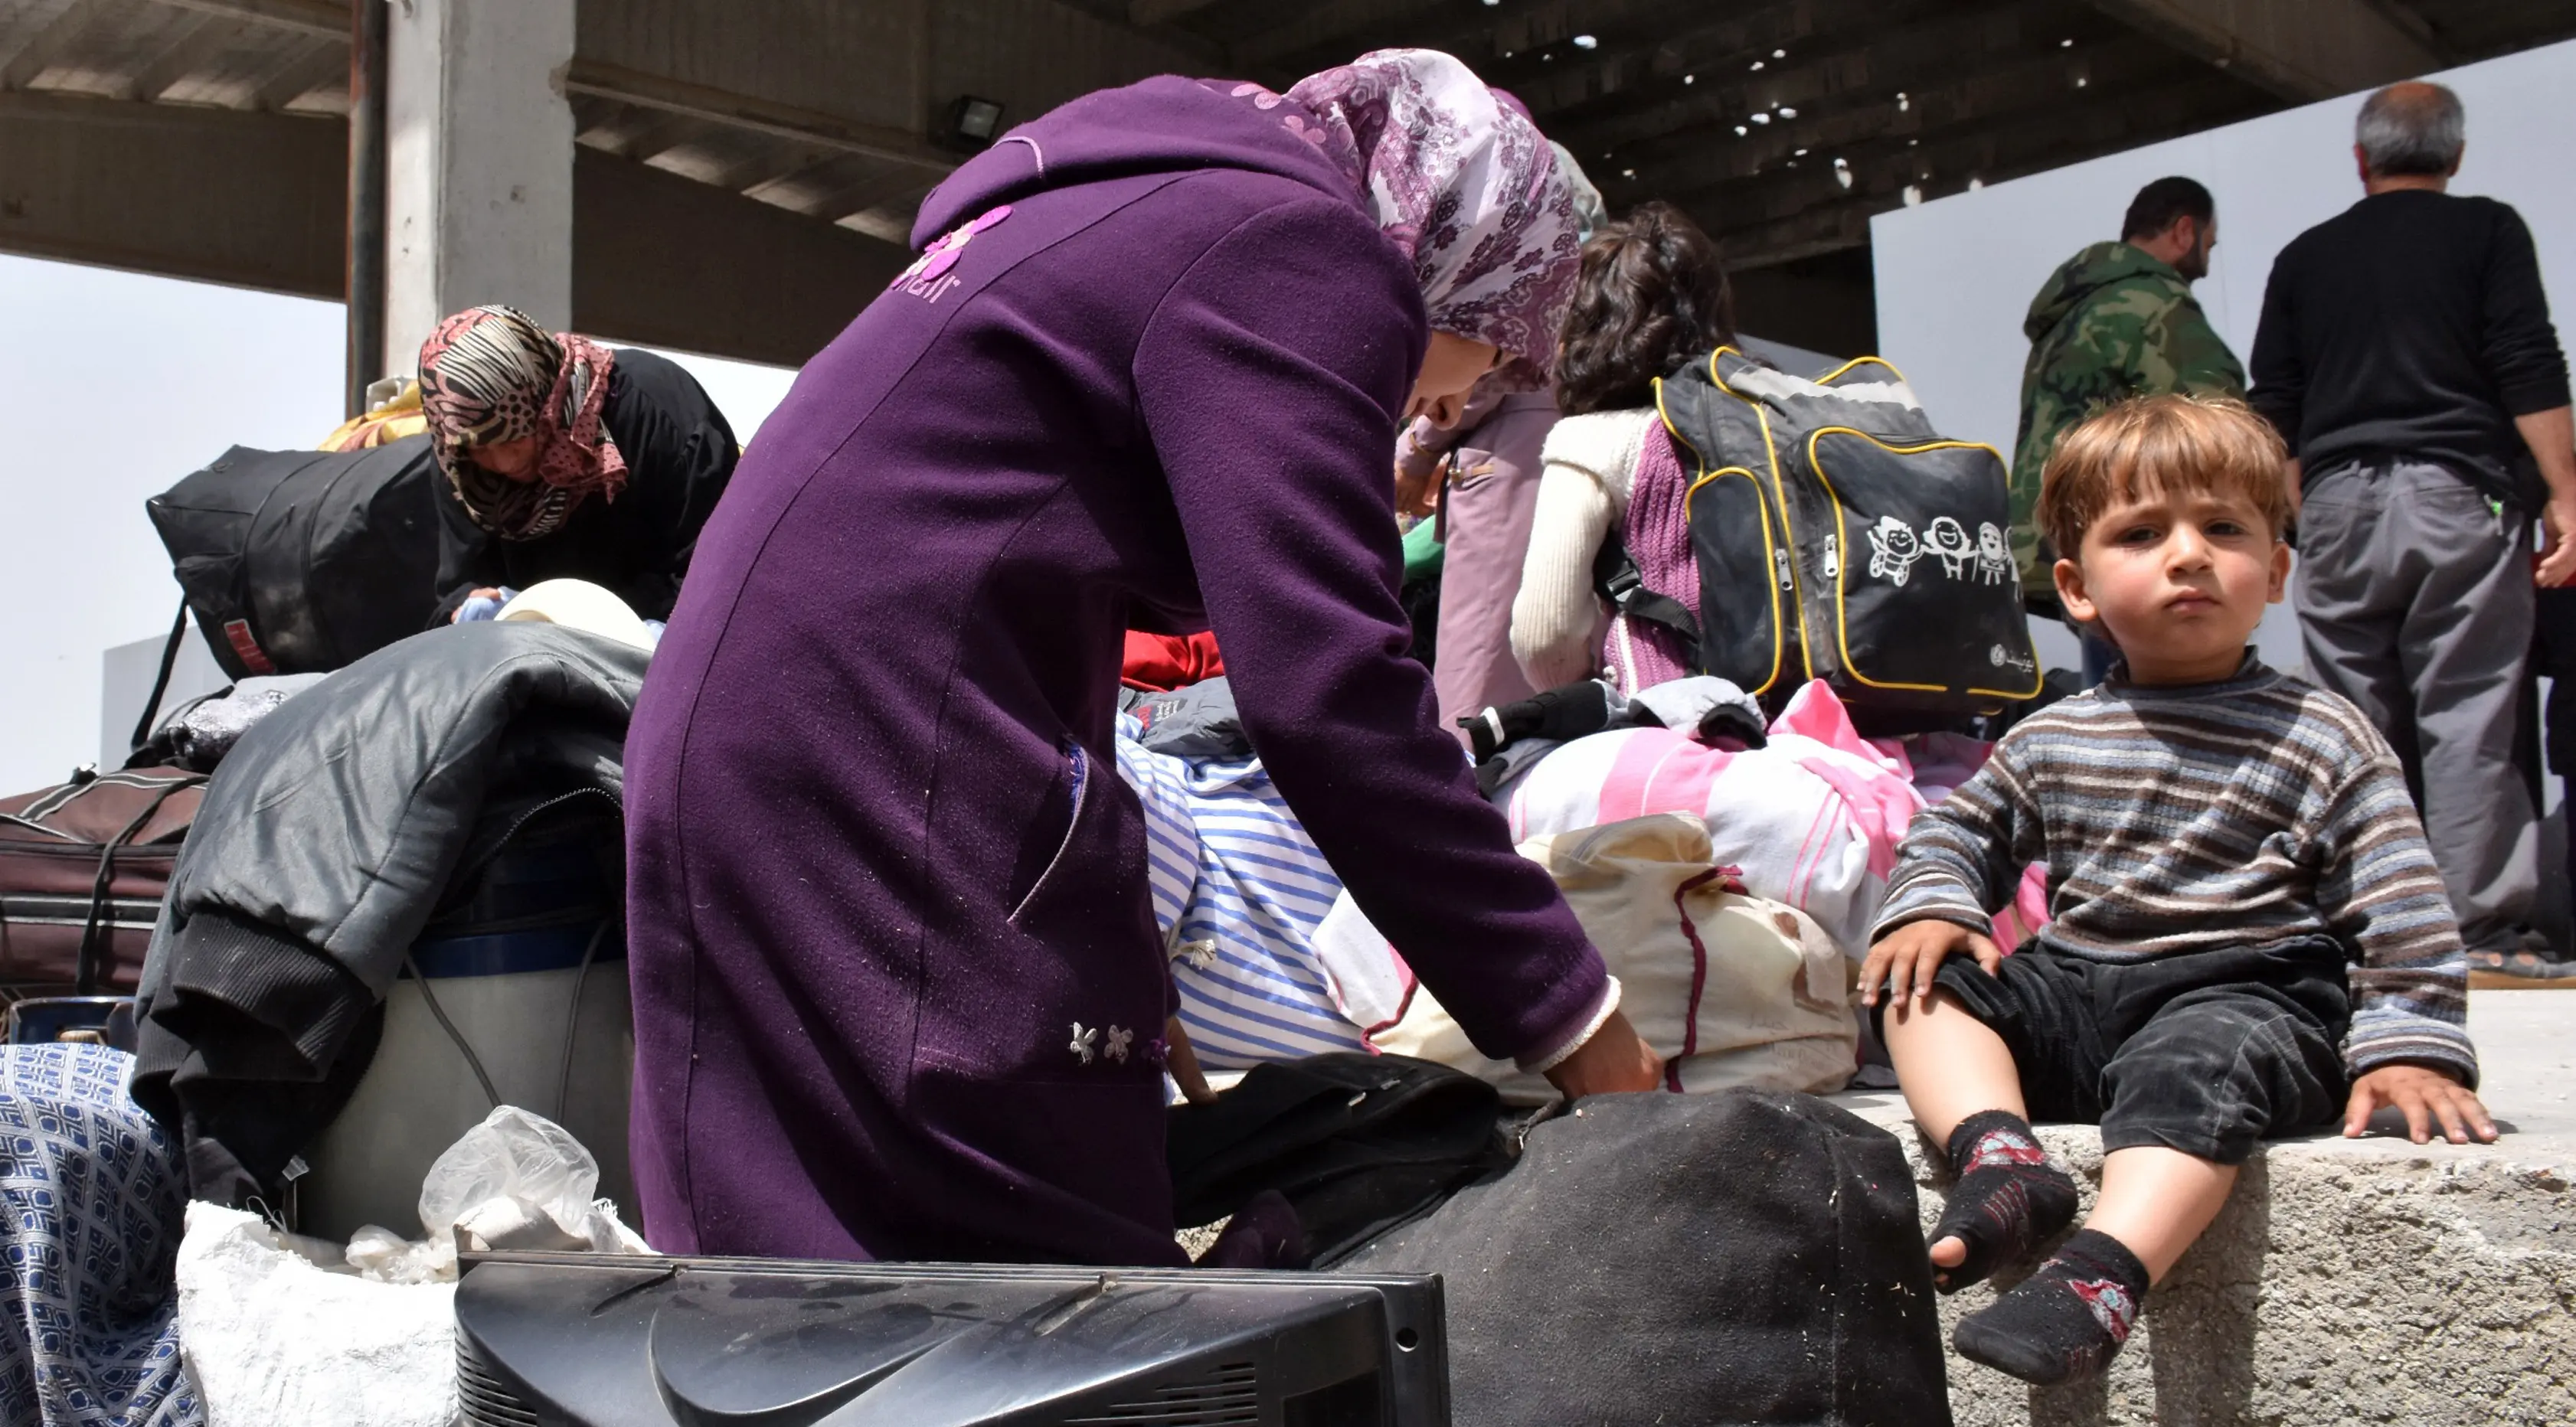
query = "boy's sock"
{"x": 2007, "y": 1200}
{"x": 2066, "y": 1320}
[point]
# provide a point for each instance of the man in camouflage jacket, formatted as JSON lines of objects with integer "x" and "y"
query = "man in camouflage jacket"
{"x": 2116, "y": 320}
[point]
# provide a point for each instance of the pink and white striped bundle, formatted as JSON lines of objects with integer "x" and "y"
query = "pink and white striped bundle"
{"x": 1812, "y": 819}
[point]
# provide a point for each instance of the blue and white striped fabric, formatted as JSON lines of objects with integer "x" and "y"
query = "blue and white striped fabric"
{"x": 1238, "y": 890}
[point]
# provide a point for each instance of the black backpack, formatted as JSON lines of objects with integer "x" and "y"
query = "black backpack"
{"x": 1742, "y": 1257}
{"x": 1839, "y": 537}
{"x": 301, "y": 562}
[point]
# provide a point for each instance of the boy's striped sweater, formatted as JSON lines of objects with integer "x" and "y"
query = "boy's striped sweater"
{"x": 2181, "y": 819}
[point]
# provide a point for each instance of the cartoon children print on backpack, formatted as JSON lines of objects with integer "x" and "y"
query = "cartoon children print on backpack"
{"x": 1895, "y": 548}
{"x": 1994, "y": 562}
{"x": 1946, "y": 538}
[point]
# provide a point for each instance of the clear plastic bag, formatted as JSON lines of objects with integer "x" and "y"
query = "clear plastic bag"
{"x": 516, "y": 1181}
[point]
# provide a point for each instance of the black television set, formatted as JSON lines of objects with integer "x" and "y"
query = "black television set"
{"x": 587, "y": 1340}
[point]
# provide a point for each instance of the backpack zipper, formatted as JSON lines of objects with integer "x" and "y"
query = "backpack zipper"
{"x": 1780, "y": 562}
{"x": 1833, "y": 560}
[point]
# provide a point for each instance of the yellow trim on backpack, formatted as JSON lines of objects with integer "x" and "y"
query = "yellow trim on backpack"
{"x": 1842, "y": 534}
{"x": 1770, "y": 568}
{"x": 1780, "y": 495}
{"x": 1854, "y": 362}
{"x": 1675, "y": 432}
{"x": 1770, "y": 547}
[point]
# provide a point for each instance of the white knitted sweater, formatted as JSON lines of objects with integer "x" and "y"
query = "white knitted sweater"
{"x": 1588, "y": 466}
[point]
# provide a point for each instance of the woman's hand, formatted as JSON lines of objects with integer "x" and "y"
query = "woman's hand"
{"x": 1906, "y": 959}
{"x": 1417, "y": 492}
{"x": 1615, "y": 1059}
{"x": 480, "y": 592}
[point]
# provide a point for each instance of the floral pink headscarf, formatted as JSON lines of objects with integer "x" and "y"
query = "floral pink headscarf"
{"x": 1465, "y": 187}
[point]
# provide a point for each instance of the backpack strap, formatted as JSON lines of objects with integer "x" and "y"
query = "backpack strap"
{"x": 160, "y": 681}
{"x": 1615, "y": 578}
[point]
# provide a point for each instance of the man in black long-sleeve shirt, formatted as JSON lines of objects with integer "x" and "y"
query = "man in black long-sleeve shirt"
{"x": 2406, "y": 355}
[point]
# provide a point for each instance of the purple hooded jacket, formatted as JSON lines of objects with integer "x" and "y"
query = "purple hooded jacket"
{"x": 898, "y": 992}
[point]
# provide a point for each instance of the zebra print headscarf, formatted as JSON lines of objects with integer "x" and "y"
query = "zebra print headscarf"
{"x": 491, "y": 374}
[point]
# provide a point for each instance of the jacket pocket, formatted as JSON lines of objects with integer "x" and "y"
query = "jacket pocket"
{"x": 1076, "y": 799}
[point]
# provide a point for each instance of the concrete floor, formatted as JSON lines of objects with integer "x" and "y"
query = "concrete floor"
{"x": 2348, "y": 1281}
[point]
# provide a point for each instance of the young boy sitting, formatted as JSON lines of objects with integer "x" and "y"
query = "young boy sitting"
{"x": 2244, "y": 912}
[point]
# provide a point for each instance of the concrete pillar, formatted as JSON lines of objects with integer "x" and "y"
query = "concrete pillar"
{"x": 478, "y": 203}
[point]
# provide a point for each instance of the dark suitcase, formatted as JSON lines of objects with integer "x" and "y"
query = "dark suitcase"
{"x": 1743, "y": 1257}
{"x": 301, "y": 562}
{"x": 83, "y": 866}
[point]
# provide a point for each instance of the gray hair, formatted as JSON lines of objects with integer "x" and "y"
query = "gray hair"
{"x": 2411, "y": 128}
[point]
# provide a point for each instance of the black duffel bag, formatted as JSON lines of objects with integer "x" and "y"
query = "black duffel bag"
{"x": 1356, "y": 1143}
{"x": 303, "y": 562}
{"x": 1742, "y": 1257}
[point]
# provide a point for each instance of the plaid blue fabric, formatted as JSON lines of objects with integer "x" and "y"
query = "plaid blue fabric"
{"x": 94, "y": 1192}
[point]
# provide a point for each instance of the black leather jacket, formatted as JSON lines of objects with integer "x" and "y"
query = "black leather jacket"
{"x": 328, "y": 837}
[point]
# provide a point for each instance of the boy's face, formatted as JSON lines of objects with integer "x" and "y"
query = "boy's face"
{"x": 2178, "y": 580}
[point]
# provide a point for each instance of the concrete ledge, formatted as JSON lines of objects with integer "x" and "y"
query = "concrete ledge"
{"x": 2346, "y": 1281}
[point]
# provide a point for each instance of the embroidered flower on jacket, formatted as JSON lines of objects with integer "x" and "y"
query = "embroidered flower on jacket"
{"x": 1119, "y": 1039}
{"x": 1083, "y": 1041}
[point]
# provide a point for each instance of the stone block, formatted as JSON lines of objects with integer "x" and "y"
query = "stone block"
{"x": 2347, "y": 1281}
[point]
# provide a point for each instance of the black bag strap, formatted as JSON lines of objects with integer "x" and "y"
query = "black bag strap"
{"x": 1615, "y": 578}
{"x": 95, "y": 930}
{"x": 160, "y": 681}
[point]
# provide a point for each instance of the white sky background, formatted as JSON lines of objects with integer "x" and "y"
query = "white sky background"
{"x": 114, "y": 386}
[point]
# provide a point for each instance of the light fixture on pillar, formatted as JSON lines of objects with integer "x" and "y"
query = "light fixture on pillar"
{"x": 974, "y": 123}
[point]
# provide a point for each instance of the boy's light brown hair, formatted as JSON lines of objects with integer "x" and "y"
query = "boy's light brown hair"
{"x": 2150, "y": 445}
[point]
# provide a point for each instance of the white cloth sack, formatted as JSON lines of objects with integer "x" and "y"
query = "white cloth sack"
{"x": 1730, "y": 989}
{"x": 275, "y": 1339}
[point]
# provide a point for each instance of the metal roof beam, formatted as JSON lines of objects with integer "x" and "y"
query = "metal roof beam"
{"x": 320, "y": 18}
{"x": 329, "y": 19}
{"x": 743, "y": 111}
{"x": 2301, "y": 50}
{"x": 205, "y": 38}
{"x": 46, "y": 45}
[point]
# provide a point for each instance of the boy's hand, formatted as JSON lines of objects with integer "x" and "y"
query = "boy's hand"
{"x": 2423, "y": 1095}
{"x": 1905, "y": 959}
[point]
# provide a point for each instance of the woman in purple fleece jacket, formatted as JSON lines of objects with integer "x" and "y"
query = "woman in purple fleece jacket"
{"x": 898, "y": 992}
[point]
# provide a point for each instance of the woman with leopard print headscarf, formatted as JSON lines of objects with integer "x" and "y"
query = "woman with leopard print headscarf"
{"x": 566, "y": 460}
